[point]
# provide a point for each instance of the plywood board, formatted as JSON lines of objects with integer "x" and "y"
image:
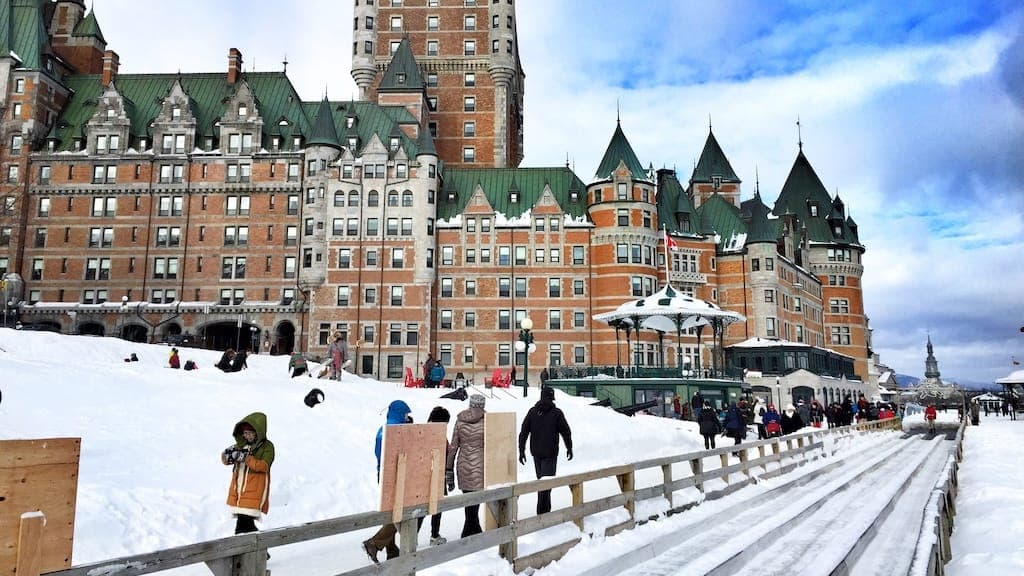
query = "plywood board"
{"x": 417, "y": 442}
{"x": 39, "y": 475}
{"x": 499, "y": 454}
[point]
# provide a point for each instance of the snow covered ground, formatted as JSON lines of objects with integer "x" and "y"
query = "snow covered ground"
{"x": 150, "y": 475}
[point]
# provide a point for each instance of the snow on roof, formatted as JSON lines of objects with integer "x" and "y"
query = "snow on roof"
{"x": 758, "y": 342}
{"x": 1015, "y": 377}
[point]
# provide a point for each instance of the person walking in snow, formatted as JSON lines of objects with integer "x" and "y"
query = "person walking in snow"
{"x": 735, "y": 425}
{"x": 466, "y": 454}
{"x": 438, "y": 414}
{"x": 542, "y": 426}
{"x": 337, "y": 354}
{"x": 929, "y": 415}
{"x": 250, "y": 457}
{"x": 297, "y": 364}
{"x": 696, "y": 403}
{"x": 709, "y": 425}
{"x": 384, "y": 539}
{"x": 772, "y": 422}
{"x": 790, "y": 420}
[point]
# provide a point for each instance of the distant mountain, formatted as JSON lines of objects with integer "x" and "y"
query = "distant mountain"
{"x": 906, "y": 381}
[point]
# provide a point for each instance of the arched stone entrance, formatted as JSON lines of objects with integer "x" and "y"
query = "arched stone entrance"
{"x": 805, "y": 393}
{"x": 134, "y": 333}
{"x": 283, "y": 340}
{"x": 91, "y": 328}
{"x": 229, "y": 334}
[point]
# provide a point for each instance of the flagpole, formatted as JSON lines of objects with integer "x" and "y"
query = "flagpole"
{"x": 668, "y": 277}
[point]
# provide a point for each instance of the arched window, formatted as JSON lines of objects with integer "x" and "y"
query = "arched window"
{"x": 407, "y": 198}
{"x": 393, "y": 198}
{"x": 353, "y": 198}
{"x": 339, "y": 199}
{"x": 373, "y": 199}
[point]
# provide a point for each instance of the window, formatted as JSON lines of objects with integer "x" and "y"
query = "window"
{"x": 165, "y": 268}
{"x": 469, "y": 22}
{"x": 469, "y": 128}
{"x": 504, "y": 320}
{"x": 236, "y": 236}
{"x": 834, "y": 280}
{"x": 19, "y": 86}
{"x": 504, "y": 287}
{"x": 431, "y": 80}
{"x": 293, "y": 204}
{"x": 577, "y": 255}
{"x": 769, "y": 264}
{"x": 495, "y": 46}
{"x": 397, "y": 294}
{"x": 840, "y": 335}
{"x": 621, "y": 192}
{"x": 432, "y": 48}
{"x": 579, "y": 319}
{"x": 797, "y": 304}
{"x": 755, "y": 264}
{"x": 97, "y": 269}
{"x": 101, "y": 237}
{"x": 43, "y": 207}
{"x": 469, "y": 79}
{"x": 344, "y": 295}
{"x": 447, "y": 287}
{"x": 370, "y": 296}
{"x": 470, "y": 287}
{"x": 232, "y": 297}
{"x": 769, "y": 327}
{"x": 555, "y": 255}
{"x": 577, "y": 287}
{"x": 232, "y": 267}
{"x": 447, "y": 255}
{"x": 236, "y": 206}
{"x": 520, "y": 287}
{"x": 433, "y": 23}
{"x": 396, "y": 23}
{"x": 839, "y": 306}
{"x": 371, "y": 258}
{"x": 769, "y": 296}
{"x": 468, "y": 154}
{"x": 398, "y": 257}
{"x": 469, "y": 47}
{"x": 622, "y": 217}
{"x": 469, "y": 103}
{"x": 446, "y": 319}
{"x": 290, "y": 266}
{"x": 538, "y": 255}
{"x": 554, "y": 287}
{"x": 37, "y": 268}
{"x": 555, "y": 319}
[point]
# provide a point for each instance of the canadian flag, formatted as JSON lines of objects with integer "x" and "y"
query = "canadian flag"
{"x": 671, "y": 243}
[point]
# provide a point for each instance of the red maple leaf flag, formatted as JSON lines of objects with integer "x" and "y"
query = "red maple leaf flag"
{"x": 671, "y": 243}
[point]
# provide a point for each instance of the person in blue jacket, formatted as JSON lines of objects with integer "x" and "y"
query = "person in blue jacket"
{"x": 735, "y": 424}
{"x": 384, "y": 539}
{"x": 771, "y": 416}
{"x": 437, "y": 374}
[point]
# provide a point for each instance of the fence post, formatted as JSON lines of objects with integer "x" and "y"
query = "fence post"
{"x": 508, "y": 512}
{"x": 407, "y": 531}
{"x": 697, "y": 466}
{"x": 743, "y": 461}
{"x": 666, "y": 478}
{"x": 577, "y": 501}
{"x": 724, "y": 458}
{"x": 626, "y": 485}
{"x": 30, "y": 535}
{"x": 760, "y": 454}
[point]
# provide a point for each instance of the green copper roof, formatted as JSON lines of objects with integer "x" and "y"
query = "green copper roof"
{"x": 719, "y": 216}
{"x": 759, "y": 229}
{"x": 672, "y": 200}
{"x": 402, "y": 73}
{"x": 713, "y": 163}
{"x": 496, "y": 183}
{"x": 88, "y": 26}
{"x": 425, "y": 142}
{"x": 5, "y": 27}
{"x": 275, "y": 95}
{"x": 619, "y": 150}
{"x": 324, "y": 132}
{"x": 27, "y": 34}
{"x": 802, "y": 191}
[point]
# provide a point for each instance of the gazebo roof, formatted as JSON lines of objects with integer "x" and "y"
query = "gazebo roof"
{"x": 1015, "y": 377}
{"x": 682, "y": 310}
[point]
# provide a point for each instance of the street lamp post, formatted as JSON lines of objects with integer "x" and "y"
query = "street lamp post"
{"x": 254, "y": 339}
{"x": 525, "y": 345}
{"x": 6, "y": 304}
{"x": 124, "y": 307}
{"x": 778, "y": 389}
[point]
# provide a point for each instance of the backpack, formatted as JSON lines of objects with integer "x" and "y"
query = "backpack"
{"x": 190, "y": 365}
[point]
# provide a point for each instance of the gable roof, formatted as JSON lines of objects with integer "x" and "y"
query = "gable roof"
{"x": 619, "y": 150}
{"x": 497, "y": 182}
{"x": 402, "y": 73}
{"x": 713, "y": 163}
{"x": 672, "y": 200}
{"x": 719, "y": 216}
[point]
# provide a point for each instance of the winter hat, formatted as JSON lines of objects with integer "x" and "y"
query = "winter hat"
{"x": 477, "y": 401}
{"x": 547, "y": 393}
{"x": 243, "y": 426}
{"x": 439, "y": 414}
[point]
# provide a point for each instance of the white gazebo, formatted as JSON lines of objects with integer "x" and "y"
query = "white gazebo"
{"x": 1015, "y": 378}
{"x": 669, "y": 309}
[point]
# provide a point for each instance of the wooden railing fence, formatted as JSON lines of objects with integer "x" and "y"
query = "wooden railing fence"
{"x": 245, "y": 554}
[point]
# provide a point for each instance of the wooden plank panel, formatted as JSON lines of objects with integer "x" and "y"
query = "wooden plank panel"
{"x": 39, "y": 475}
{"x": 416, "y": 441}
{"x": 499, "y": 455}
{"x": 30, "y": 535}
{"x": 538, "y": 560}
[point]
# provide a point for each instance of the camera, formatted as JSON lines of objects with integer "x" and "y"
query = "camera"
{"x": 233, "y": 454}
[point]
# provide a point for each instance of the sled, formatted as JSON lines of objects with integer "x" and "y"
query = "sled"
{"x": 773, "y": 429}
{"x": 324, "y": 372}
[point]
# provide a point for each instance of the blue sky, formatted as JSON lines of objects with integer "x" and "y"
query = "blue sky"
{"x": 912, "y": 111}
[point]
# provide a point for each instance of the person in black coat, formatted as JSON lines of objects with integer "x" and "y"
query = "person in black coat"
{"x": 238, "y": 363}
{"x": 225, "y": 360}
{"x": 791, "y": 420}
{"x": 542, "y": 426}
{"x": 709, "y": 425}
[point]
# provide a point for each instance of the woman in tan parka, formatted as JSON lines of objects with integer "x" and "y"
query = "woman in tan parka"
{"x": 251, "y": 456}
{"x": 466, "y": 455}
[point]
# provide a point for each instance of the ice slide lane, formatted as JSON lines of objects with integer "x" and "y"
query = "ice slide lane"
{"x": 751, "y": 527}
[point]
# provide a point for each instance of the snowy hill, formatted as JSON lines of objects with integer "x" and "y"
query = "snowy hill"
{"x": 150, "y": 474}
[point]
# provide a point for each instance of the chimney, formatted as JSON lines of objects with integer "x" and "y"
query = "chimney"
{"x": 111, "y": 62}
{"x": 234, "y": 65}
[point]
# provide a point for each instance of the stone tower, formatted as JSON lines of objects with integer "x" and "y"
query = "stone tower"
{"x": 468, "y": 55}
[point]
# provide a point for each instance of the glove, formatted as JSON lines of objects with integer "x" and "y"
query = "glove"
{"x": 449, "y": 480}
{"x": 522, "y": 458}
{"x": 568, "y": 453}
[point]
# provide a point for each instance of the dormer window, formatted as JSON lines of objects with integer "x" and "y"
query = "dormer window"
{"x": 352, "y": 141}
{"x": 175, "y": 112}
{"x": 513, "y": 197}
{"x": 297, "y": 142}
{"x": 393, "y": 143}
{"x": 111, "y": 113}
{"x": 350, "y": 121}
{"x": 243, "y": 110}
{"x": 813, "y": 208}
{"x": 142, "y": 143}
{"x": 574, "y": 196}
{"x": 400, "y": 79}
{"x": 716, "y": 182}
{"x": 452, "y": 196}
{"x": 283, "y": 122}
{"x": 275, "y": 142}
